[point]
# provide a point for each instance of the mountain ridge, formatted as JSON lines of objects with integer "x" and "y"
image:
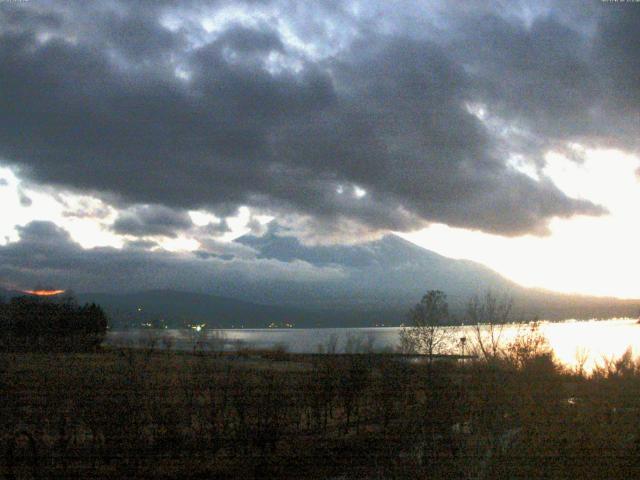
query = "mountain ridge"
{"x": 382, "y": 280}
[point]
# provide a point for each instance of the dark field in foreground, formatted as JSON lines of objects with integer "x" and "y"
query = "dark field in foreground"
{"x": 151, "y": 414}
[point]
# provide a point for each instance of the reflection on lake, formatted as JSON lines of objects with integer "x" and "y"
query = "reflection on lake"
{"x": 594, "y": 340}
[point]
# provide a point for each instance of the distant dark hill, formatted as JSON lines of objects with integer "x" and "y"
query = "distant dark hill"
{"x": 181, "y": 308}
{"x": 543, "y": 304}
{"x": 176, "y": 309}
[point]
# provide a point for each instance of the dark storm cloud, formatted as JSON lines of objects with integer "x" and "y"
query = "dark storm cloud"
{"x": 45, "y": 254}
{"x": 539, "y": 74}
{"x": 377, "y": 134}
{"x": 246, "y": 40}
{"x": 617, "y": 52}
{"x": 152, "y": 220}
{"x": 214, "y": 229}
{"x": 564, "y": 76}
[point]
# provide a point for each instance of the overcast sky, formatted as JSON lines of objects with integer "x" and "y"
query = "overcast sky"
{"x": 138, "y": 138}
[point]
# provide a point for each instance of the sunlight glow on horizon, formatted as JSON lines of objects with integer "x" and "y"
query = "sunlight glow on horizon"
{"x": 583, "y": 254}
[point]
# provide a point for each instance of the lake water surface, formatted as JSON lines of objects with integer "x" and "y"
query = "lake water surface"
{"x": 594, "y": 340}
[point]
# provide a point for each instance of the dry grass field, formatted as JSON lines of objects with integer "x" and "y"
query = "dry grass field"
{"x": 136, "y": 413}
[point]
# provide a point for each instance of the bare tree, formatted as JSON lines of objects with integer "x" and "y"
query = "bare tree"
{"x": 428, "y": 333}
{"x": 581, "y": 358}
{"x": 529, "y": 344}
{"x": 488, "y": 317}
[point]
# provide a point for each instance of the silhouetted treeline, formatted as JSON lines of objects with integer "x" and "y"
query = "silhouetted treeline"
{"x": 30, "y": 323}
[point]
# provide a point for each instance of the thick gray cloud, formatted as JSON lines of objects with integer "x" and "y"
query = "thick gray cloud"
{"x": 551, "y": 83}
{"x": 353, "y": 119}
{"x": 616, "y": 53}
{"x": 152, "y": 220}
{"x": 214, "y": 229}
{"x": 161, "y": 221}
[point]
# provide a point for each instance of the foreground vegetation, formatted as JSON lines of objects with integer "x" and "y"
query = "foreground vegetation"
{"x": 164, "y": 414}
{"x": 71, "y": 410}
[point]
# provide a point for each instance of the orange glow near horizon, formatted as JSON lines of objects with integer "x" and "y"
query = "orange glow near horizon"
{"x": 43, "y": 293}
